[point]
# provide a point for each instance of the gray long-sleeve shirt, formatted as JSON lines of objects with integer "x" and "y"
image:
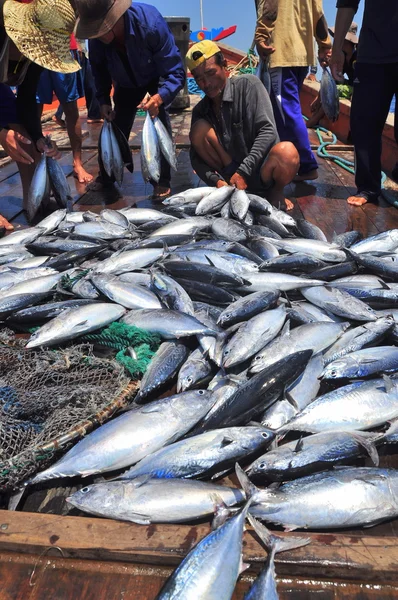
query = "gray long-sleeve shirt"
{"x": 246, "y": 128}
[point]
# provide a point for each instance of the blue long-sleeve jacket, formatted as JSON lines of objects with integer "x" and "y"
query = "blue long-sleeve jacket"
{"x": 151, "y": 51}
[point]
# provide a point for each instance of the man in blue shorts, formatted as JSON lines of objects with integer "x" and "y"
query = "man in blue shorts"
{"x": 68, "y": 87}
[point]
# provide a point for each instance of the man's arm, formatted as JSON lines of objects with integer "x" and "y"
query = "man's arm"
{"x": 267, "y": 12}
{"x": 168, "y": 61}
{"x": 259, "y": 106}
{"x": 321, "y": 33}
{"x": 346, "y": 10}
{"x": 27, "y": 110}
{"x": 102, "y": 77}
{"x": 201, "y": 168}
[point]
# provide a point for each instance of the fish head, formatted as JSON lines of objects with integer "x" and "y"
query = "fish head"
{"x": 97, "y": 497}
{"x": 344, "y": 367}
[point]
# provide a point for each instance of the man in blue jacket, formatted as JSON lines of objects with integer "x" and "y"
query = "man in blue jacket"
{"x": 135, "y": 51}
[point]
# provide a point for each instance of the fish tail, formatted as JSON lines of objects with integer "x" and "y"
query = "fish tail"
{"x": 276, "y": 543}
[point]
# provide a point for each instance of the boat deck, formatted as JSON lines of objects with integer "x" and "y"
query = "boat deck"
{"x": 50, "y": 551}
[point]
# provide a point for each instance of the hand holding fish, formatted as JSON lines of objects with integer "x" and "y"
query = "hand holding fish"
{"x": 152, "y": 104}
{"x": 51, "y": 151}
{"x": 238, "y": 181}
{"x": 107, "y": 112}
{"x": 221, "y": 183}
{"x": 11, "y": 141}
{"x": 337, "y": 64}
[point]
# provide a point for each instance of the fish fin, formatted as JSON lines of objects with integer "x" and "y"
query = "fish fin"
{"x": 243, "y": 566}
{"x": 226, "y": 441}
{"x": 209, "y": 261}
{"x": 276, "y": 542}
{"x": 291, "y": 400}
{"x": 369, "y": 446}
{"x": 81, "y": 324}
{"x": 393, "y": 428}
{"x": 384, "y": 285}
{"x": 285, "y": 329}
{"x": 368, "y": 361}
{"x": 15, "y": 498}
{"x": 149, "y": 409}
{"x": 220, "y": 474}
{"x": 388, "y": 382}
{"x": 221, "y": 512}
{"x": 248, "y": 487}
{"x": 141, "y": 480}
{"x": 299, "y": 445}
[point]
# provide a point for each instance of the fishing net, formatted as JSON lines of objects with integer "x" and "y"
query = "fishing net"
{"x": 49, "y": 399}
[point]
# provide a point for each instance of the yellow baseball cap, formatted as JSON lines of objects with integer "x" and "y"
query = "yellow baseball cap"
{"x": 200, "y": 52}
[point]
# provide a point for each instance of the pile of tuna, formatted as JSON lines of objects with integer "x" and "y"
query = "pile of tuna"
{"x": 258, "y": 311}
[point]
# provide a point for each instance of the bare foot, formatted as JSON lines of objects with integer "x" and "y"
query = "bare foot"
{"x": 357, "y": 200}
{"x": 6, "y": 224}
{"x": 311, "y": 175}
{"x": 60, "y": 122}
{"x": 89, "y": 121}
{"x": 81, "y": 175}
{"x": 160, "y": 192}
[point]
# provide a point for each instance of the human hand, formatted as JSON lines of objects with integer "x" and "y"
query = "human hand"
{"x": 324, "y": 55}
{"x": 49, "y": 149}
{"x": 152, "y": 104}
{"x": 4, "y": 223}
{"x": 263, "y": 50}
{"x": 337, "y": 64}
{"x": 11, "y": 141}
{"x": 238, "y": 181}
{"x": 221, "y": 183}
{"x": 107, "y": 112}
{"x": 311, "y": 77}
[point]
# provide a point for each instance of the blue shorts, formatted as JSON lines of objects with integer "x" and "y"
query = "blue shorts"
{"x": 8, "y": 106}
{"x": 66, "y": 86}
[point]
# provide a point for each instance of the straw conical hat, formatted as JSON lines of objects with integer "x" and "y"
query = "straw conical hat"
{"x": 41, "y": 32}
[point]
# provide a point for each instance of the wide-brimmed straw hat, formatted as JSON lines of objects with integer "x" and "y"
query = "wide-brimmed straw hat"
{"x": 351, "y": 34}
{"x": 97, "y": 17}
{"x": 41, "y": 32}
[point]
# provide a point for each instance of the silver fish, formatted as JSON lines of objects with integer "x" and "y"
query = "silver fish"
{"x": 115, "y": 216}
{"x": 253, "y": 335}
{"x": 386, "y": 241}
{"x": 117, "y": 164}
{"x": 183, "y": 226}
{"x": 203, "y": 454}
{"x": 195, "y": 370}
{"x": 42, "y": 283}
{"x": 59, "y": 184}
{"x": 239, "y": 204}
{"x": 358, "y": 337}
{"x": 106, "y": 148}
{"x": 51, "y": 223}
{"x": 75, "y": 322}
{"x": 166, "y": 143}
{"x": 339, "y": 302}
{"x": 38, "y": 188}
{"x": 359, "y": 405}
{"x": 146, "y": 501}
{"x": 247, "y": 307}
{"x": 163, "y": 368}
{"x": 345, "y": 497}
{"x": 169, "y": 324}
{"x": 362, "y": 363}
{"x": 129, "y": 260}
{"x": 150, "y": 152}
{"x": 214, "y": 201}
{"x": 139, "y": 216}
{"x": 130, "y": 437}
{"x": 171, "y": 293}
{"x": 127, "y": 294}
{"x": 23, "y": 236}
{"x": 314, "y": 336}
{"x": 329, "y": 96}
{"x": 261, "y": 282}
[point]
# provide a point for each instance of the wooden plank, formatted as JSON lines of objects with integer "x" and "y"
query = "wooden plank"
{"x": 26, "y": 576}
{"x": 353, "y": 557}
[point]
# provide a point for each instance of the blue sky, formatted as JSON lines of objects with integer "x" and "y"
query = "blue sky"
{"x": 224, "y": 13}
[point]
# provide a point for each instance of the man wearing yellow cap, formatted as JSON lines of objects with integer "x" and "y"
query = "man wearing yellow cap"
{"x": 32, "y": 36}
{"x": 233, "y": 133}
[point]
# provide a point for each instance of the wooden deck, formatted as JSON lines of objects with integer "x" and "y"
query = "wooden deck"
{"x": 49, "y": 551}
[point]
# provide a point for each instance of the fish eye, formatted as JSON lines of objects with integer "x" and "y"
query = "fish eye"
{"x": 189, "y": 379}
{"x": 201, "y": 392}
{"x": 226, "y": 351}
{"x": 264, "y": 435}
{"x": 262, "y": 465}
{"x": 333, "y": 373}
{"x": 257, "y": 357}
{"x": 85, "y": 490}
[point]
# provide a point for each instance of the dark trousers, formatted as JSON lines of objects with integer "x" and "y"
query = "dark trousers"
{"x": 286, "y": 83}
{"x": 374, "y": 88}
{"x": 90, "y": 93}
{"x": 126, "y": 101}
